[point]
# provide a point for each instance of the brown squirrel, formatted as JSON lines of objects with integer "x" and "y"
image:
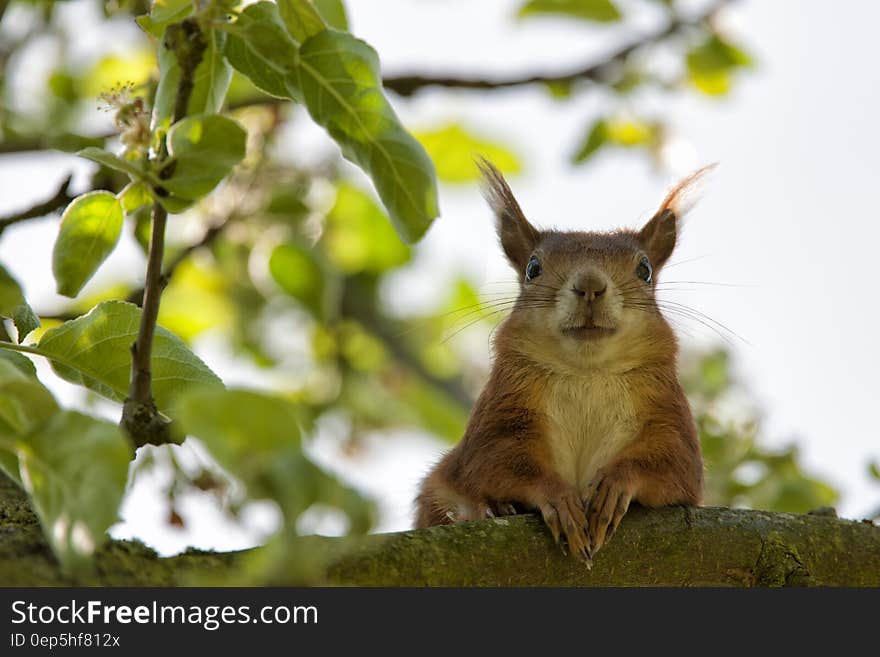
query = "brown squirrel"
{"x": 583, "y": 413}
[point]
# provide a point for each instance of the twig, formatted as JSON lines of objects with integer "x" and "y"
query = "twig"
{"x": 140, "y": 417}
{"x": 60, "y": 199}
{"x": 407, "y": 85}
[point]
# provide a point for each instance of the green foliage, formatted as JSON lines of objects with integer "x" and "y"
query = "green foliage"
{"x": 301, "y": 18}
{"x": 333, "y": 13}
{"x": 134, "y": 168}
{"x": 13, "y": 305}
{"x": 203, "y": 151}
{"x": 739, "y": 470}
{"x": 257, "y": 438}
{"x": 90, "y": 228}
{"x": 711, "y": 63}
{"x": 357, "y": 236}
{"x": 262, "y": 49}
{"x": 600, "y": 11}
{"x": 93, "y": 351}
{"x": 163, "y": 13}
{"x": 337, "y": 77}
{"x": 340, "y": 80}
{"x": 454, "y": 150}
{"x": 24, "y": 402}
{"x": 296, "y": 269}
{"x": 621, "y": 131}
{"x": 210, "y": 81}
{"x": 74, "y": 468}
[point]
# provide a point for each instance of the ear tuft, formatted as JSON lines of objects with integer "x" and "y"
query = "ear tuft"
{"x": 518, "y": 237}
{"x": 661, "y": 233}
{"x": 684, "y": 196}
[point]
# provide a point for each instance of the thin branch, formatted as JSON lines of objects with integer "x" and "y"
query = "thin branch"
{"x": 59, "y": 200}
{"x": 597, "y": 71}
{"x": 140, "y": 417}
{"x": 69, "y": 143}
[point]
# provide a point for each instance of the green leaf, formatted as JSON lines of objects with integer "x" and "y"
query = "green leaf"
{"x": 341, "y": 84}
{"x": 626, "y": 132}
{"x": 596, "y": 138}
{"x": 90, "y": 228}
{"x": 337, "y": 77}
{"x": 358, "y": 237}
{"x": 260, "y": 47}
{"x": 305, "y": 18}
{"x": 210, "y": 81}
{"x": 135, "y": 196}
{"x": 711, "y": 63}
{"x": 301, "y": 18}
{"x": 163, "y": 13}
{"x": 14, "y": 306}
{"x": 629, "y": 132}
{"x": 256, "y": 438}
{"x": 454, "y": 150}
{"x": 599, "y": 11}
{"x": 333, "y": 13}
{"x": 874, "y": 470}
{"x": 204, "y": 149}
{"x": 135, "y": 170}
{"x": 94, "y": 351}
{"x": 8, "y": 459}
{"x": 74, "y": 468}
{"x": 24, "y": 402}
{"x": 296, "y": 269}
{"x": 20, "y": 361}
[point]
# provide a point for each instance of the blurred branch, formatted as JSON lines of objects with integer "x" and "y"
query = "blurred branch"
{"x": 59, "y": 200}
{"x": 407, "y": 85}
{"x": 380, "y": 328}
{"x": 358, "y": 302}
{"x": 64, "y": 143}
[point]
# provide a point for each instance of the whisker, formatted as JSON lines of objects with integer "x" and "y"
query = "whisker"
{"x": 683, "y": 310}
{"x": 491, "y": 314}
{"x": 682, "y": 262}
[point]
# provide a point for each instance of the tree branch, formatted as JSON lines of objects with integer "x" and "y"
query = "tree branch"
{"x": 407, "y": 85}
{"x": 59, "y": 200}
{"x": 140, "y": 417}
{"x": 674, "y": 546}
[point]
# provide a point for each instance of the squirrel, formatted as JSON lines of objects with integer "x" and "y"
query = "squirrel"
{"x": 583, "y": 413}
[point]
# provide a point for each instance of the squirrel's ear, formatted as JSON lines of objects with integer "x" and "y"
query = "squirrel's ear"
{"x": 660, "y": 233}
{"x": 518, "y": 237}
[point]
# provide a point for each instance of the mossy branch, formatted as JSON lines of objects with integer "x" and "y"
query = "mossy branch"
{"x": 667, "y": 547}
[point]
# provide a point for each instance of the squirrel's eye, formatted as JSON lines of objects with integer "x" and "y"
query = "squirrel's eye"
{"x": 533, "y": 269}
{"x": 644, "y": 270}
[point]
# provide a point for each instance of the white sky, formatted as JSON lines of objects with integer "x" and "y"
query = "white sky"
{"x": 791, "y": 213}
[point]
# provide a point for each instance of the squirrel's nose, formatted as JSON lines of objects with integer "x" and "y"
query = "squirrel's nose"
{"x": 591, "y": 287}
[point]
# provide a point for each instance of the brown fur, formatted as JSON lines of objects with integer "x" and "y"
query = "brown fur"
{"x": 583, "y": 412}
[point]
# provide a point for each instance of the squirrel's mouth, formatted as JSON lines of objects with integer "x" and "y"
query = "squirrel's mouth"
{"x": 587, "y": 331}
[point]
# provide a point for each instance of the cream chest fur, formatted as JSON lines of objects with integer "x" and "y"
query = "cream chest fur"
{"x": 591, "y": 418}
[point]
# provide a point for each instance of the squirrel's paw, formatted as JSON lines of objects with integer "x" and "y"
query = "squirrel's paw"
{"x": 606, "y": 500}
{"x": 484, "y": 510}
{"x": 504, "y": 509}
{"x": 564, "y": 516}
